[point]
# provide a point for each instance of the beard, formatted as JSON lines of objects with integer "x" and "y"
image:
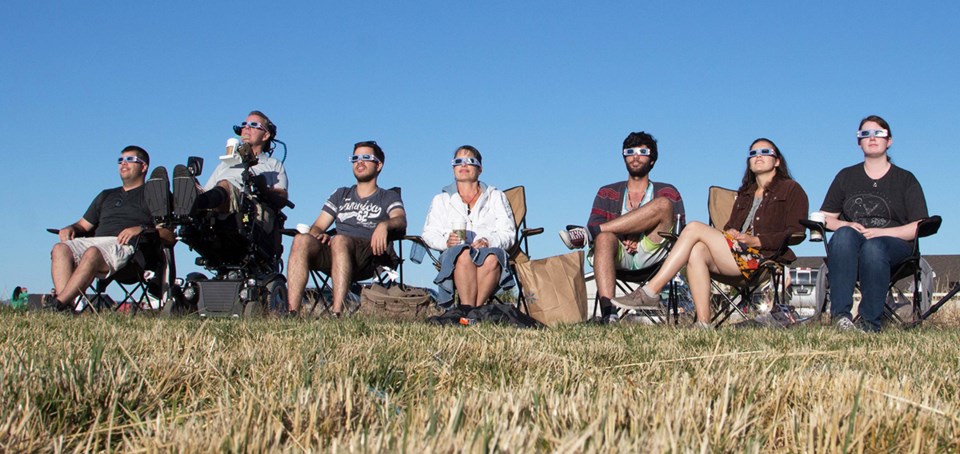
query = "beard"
{"x": 365, "y": 178}
{"x": 639, "y": 172}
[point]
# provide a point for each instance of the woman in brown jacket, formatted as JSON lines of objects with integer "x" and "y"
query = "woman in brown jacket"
{"x": 768, "y": 209}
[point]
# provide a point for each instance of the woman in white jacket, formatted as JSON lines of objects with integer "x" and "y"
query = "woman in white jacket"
{"x": 476, "y": 266}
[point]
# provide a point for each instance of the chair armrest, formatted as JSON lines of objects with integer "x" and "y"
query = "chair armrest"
{"x": 54, "y": 231}
{"x": 289, "y": 232}
{"x": 796, "y": 238}
{"x": 929, "y": 226}
{"x": 669, "y": 236}
{"x": 531, "y": 232}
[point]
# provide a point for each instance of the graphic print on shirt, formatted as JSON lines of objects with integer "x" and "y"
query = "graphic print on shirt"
{"x": 362, "y": 212}
{"x": 870, "y": 210}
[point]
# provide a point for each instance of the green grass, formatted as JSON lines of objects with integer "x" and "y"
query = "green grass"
{"x": 139, "y": 383}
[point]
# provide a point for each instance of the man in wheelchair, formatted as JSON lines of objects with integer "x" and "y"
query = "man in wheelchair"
{"x": 103, "y": 241}
{"x": 234, "y": 221}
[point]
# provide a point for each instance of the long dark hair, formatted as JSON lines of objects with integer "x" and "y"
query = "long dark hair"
{"x": 749, "y": 178}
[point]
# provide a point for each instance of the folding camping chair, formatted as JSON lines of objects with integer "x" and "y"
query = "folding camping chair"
{"x": 913, "y": 267}
{"x": 147, "y": 278}
{"x": 384, "y": 272}
{"x": 742, "y": 300}
{"x": 518, "y": 253}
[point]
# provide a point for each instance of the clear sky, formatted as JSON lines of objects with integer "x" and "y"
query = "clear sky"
{"x": 546, "y": 90}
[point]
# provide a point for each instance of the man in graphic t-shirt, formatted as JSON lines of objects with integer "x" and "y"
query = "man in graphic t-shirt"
{"x": 364, "y": 214}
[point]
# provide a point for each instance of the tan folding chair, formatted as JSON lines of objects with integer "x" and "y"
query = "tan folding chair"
{"x": 742, "y": 299}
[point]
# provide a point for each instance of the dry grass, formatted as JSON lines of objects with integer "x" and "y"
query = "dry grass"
{"x": 142, "y": 384}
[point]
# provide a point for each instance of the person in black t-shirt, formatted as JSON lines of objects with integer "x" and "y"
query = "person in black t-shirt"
{"x": 100, "y": 243}
{"x": 873, "y": 209}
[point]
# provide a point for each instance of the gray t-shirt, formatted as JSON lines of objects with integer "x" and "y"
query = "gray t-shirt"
{"x": 115, "y": 209}
{"x": 357, "y": 217}
{"x": 270, "y": 168}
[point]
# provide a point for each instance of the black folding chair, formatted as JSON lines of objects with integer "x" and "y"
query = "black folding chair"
{"x": 911, "y": 267}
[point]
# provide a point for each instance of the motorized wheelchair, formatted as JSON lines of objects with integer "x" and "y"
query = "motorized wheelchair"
{"x": 242, "y": 250}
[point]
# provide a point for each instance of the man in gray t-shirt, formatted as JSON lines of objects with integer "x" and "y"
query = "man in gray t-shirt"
{"x": 364, "y": 214}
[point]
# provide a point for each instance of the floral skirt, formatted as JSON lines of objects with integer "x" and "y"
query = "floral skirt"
{"x": 747, "y": 258}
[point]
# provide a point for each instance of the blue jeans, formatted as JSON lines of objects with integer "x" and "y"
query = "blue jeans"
{"x": 851, "y": 257}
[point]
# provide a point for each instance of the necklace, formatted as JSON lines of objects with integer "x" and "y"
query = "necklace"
{"x": 470, "y": 202}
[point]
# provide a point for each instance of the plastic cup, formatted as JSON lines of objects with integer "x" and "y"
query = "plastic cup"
{"x": 460, "y": 229}
{"x": 232, "y": 144}
{"x": 303, "y": 228}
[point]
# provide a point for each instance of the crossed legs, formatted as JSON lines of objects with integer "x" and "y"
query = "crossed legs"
{"x": 704, "y": 250}
{"x": 69, "y": 279}
{"x": 649, "y": 219}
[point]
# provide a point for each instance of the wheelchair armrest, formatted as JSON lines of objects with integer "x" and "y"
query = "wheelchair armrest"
{"x": 929, "y": 226}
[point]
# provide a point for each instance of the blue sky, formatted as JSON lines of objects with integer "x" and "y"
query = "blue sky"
{"x": 546, "y": 90}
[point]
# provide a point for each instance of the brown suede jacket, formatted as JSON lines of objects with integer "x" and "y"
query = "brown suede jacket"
{"x": 784, "y": 204}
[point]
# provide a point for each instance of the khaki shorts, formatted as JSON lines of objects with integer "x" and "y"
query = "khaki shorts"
{"x": 116, "y": 255}
{"x": 648, "y": 254}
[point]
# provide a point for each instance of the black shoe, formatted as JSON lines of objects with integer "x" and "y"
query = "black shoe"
{"x": 156, "y": 191}
{"x": 184, "y": 191}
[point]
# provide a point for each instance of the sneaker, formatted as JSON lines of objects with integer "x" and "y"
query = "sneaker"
{"x": 156, "y": 192}
{"x": 184, "y": 191}
{"x": 638, "y": 299}
{"x": 845, "y": 324}
{"x": 574, "y": 237}
{"x": 702, "y": 325}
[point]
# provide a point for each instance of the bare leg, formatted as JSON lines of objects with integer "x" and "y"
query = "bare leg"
{"x": 698, "y": 278}
{"x": 715, "y": 245}
{"x": 61, "y": 266}
{"x": 650, "y": 219}
{"x": 488, "y": 278}
{"x": 91, "y": 264}
{"x": 341, "y": 248}
{"x": 304, "y": 250}
{"x": 465, "y": 279}
{"x": 605, "y": 247}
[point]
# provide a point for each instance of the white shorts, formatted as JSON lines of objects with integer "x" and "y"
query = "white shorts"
{"x": 116, "y": 255}
{"x": 648, "y": 253}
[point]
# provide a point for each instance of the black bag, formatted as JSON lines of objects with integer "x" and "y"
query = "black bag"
{"x": 496, "y": 313}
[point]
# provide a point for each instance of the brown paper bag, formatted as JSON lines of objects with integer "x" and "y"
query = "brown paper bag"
{"x": 554, "y": 288}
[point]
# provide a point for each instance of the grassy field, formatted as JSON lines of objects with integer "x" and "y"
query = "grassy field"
{"x": 145, "y": 384}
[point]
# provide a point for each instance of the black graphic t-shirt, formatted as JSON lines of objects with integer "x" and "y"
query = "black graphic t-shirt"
{"x": 356, "y": 217}
{"x": 115, "y": 209}
{"x": 895, "y": 199}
